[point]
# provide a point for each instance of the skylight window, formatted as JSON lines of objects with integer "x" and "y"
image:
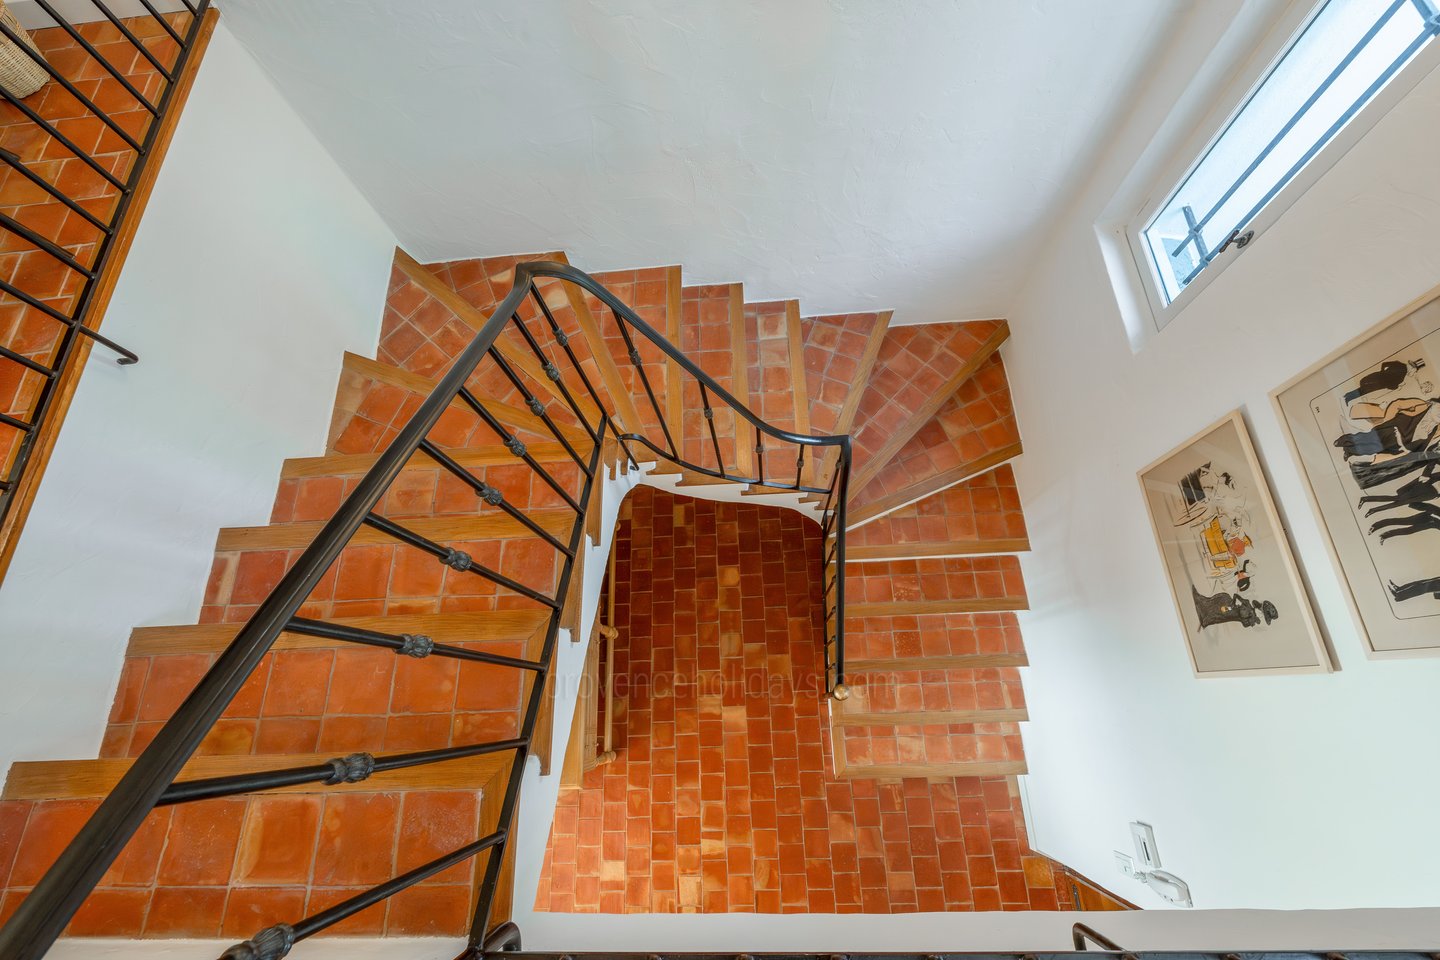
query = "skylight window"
{"x": 1339, "y": 62}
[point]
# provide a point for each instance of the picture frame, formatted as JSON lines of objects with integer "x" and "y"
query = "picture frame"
{"x": 1363, "y": 424}
{"x": 1237, "y": 590}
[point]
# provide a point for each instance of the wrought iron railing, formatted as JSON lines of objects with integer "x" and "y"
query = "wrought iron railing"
{"x": 50, "y": 310}
{"x": 153, "y": 778}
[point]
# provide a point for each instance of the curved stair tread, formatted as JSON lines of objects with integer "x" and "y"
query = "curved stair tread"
{"x": 982, "y": 515}
{"x": 970, "y": 426}
{"x": 491, "y": 526}
{"x": 864, "y": 511}
{"x": 919, "y": 369}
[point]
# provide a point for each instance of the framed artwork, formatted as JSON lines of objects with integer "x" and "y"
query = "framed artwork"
{"x": 1237, "y": 590}
{"x": 1364, "y": 424}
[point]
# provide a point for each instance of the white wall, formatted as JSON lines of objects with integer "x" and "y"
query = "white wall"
{"x": 256, "y": 266}
{"x": 1282, "y": 792}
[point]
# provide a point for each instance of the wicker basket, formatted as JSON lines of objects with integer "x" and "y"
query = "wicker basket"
{"x": 19, "y": 73}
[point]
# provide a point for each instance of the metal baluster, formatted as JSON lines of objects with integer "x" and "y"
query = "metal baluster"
{"x": 645, "y": 379}
{"x": 413, "y": 645}
{"x": 536, "y": 407}
{"x": 134, "y": 40}
{"x": 10, "y": 421}
{"x": 29, "y": 364}
{"x": 710, "y": 419}
{"x": 71, "y": 89}
{"x": 89, "y": 48}
{"x": 41, "y": 243}
{"x": 126, "y": 356}
{"x": 455, "y": 559}
{"x": 490, "y": 495}
{"x": 18, "y": 165}
{"x": 165, "y": 24}
{"x": 799, "y": 466}
{"x": 759, "y": 457}
{"x": 552, "y": 373}
{"x": 355, "y": 768}
{"x": 563, "y": 338}
{"x": 63, "y": 140}
{"x": 516, "y": 446}
{"x": 277, "y": 941}
{"x": 490, "y": 881}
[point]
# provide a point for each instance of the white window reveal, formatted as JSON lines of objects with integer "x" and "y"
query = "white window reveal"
{"x": 1345, "y": 54}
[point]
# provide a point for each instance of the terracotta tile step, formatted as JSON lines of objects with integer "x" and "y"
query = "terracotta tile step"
{"x": 78, "y": 779}
{"x": 230, "y": 867}
{"x": 937, "y": 635}
{"x": 511, "y": 345}
{"x": 950, "y": 585}
{"x": 984, "y": 508}
{"x": 918, "y": 369}
{"x": 212, "y": 638}
{"x": 493, "y": 526}
{"x": 888, "y": 503}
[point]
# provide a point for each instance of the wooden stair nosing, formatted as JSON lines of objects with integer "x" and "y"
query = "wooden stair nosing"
{"x": 76, "y": 779}
{"x": 674, "y": 312}
{"x": 859, "y": 516}
{"x": 928, "y": 718}
{"x": 960, "y": 661}
{"x": 926, "y": 551}
{"x": 862, "y": 373}
{"x": 513, "y": 416}
{"x": 491, "y": 526}
{"x": 857, "y": 389}
{"x": 799, "y": 384}
{"x": 764, "y": 490}
{"x": 349, "y": 464}
{"x": 932, "y": 771}
{"x": 905, "y": 608}
{"x": 932, "y": 405}
{"x": 740, "y": 375}
{"x": 625, "y": 411}
{"x": 465, "y": 627}
{"x": 521, "y": 358}
{"x": 691, "y": 478}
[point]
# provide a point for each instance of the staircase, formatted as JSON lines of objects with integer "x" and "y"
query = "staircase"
{"x": 369, "y": 670}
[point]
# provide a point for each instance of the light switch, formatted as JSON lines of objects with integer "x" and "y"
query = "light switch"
{"x": 1145, "y": 850}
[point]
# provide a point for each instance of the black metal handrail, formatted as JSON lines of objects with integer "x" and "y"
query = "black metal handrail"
{"x": 152, "y": 780}
{"x": 24, "y": 427}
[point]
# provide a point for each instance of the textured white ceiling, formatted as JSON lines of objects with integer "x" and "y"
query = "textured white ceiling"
{"x": 859, "y": 154}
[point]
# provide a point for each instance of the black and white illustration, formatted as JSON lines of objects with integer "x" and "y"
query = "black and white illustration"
{"x": 1384, "y": 430}
{"x": 1365, "y": 424}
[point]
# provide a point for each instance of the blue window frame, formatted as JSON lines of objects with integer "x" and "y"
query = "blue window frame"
{"x": 1345, "y": 55}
